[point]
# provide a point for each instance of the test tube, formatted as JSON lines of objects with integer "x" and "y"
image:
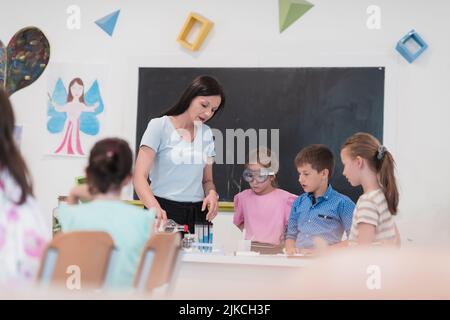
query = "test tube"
{"x": 205, "y": 233}
{"x": 211, "y": 235}
{"x": 197, "y": 235}
{"x": 200, "y": 237}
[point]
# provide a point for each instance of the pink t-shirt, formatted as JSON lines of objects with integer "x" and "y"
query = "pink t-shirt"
{"x": 264, "y": 217}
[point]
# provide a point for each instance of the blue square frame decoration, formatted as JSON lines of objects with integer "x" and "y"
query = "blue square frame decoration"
{"x": 404, "y": 51}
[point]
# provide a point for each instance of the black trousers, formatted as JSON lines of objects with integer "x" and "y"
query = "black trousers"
{"x": 183, "y": 213}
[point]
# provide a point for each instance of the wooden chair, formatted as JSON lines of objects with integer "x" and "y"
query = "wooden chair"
{"x": 90, "y": 253}
{"x": 158, "y": 262}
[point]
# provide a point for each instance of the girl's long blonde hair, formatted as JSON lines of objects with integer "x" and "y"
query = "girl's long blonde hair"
{"x": 379, "y": 160}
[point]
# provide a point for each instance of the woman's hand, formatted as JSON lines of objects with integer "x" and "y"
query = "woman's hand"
{"x": 161, "y": 216}
{"x": 211, "y": 201}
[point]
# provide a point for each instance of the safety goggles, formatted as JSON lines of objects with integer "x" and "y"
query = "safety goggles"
{"x": 258, "y": 175}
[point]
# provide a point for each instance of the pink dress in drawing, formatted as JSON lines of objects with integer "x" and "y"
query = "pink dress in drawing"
{"x": 69, "y": 135}
{"x": 73, "y": 108}
{"x": 23, "y": 235}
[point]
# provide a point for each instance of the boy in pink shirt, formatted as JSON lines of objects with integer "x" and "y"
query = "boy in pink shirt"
{"x": 263, "y": 210}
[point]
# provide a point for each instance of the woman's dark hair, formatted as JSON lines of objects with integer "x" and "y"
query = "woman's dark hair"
{"x": 10, "y": 157}
{"x": 110, "y": 163}
{"x": 200, "y": 86}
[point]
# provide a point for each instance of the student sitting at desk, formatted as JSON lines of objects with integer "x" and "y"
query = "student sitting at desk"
{"x": 23, "y": 232}
{"x": 263, "y": 210}
{"x": 320, "y": 211}
{"x": 109, "y": 170}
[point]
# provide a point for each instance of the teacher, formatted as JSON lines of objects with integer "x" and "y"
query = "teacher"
{"x": 176, "y": 153}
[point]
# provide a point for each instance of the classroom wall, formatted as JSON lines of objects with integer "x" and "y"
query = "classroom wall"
{"x": 246, "y": 34}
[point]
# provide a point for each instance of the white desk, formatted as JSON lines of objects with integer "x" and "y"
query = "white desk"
{"x": 257, "y": 261}
{"x": 206, "y": 276}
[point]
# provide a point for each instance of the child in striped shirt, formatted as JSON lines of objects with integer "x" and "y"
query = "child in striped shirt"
{"x": 369, "y": 164}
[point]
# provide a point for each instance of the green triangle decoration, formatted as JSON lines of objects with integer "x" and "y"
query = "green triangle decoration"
{"x": 291, "y": 10}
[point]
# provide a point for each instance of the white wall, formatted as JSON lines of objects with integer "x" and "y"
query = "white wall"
{"x": 245, "y": 34}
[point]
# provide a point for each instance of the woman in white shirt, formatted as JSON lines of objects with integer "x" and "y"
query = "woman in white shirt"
{"x": 176, "y": 153}
{"x": 23, "y": 233}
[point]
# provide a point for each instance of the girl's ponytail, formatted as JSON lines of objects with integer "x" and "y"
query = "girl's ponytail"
{"x": 388, "y": 182}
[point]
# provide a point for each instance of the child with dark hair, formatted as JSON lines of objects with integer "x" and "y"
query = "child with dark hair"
{"x": 23, "y": 233}
{"x": 320, "y": 212}
{"x": 108, "y": 171}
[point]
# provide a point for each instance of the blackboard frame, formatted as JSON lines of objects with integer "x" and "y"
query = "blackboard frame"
{"x": 307, "y": 105}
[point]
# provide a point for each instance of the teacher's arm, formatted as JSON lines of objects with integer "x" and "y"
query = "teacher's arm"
{"x": 144, "y": 164}
{"x": 211, "y": 197}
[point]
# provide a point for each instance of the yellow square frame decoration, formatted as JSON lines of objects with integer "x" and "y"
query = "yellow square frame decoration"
{"x": 191, "y": 20}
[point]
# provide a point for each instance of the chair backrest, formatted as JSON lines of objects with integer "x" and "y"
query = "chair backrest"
{"x": 158, "y": 261}
{"x": 86, "y": 252}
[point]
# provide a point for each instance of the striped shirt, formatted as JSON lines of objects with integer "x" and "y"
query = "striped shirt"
{"x": 372, "y": 208}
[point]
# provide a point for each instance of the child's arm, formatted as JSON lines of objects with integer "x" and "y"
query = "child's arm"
{"x": 78, "y": 193}
{"x": 238, "y": 217}
{"x": 292, "y": 230}
{"x": 366, "y": 233}
{"x": 398, "y": 241}
{"x": 341, "y": 244}
{"x": 289, "y": 246}
{"x": 346, "y": 214}
{"x": 366, "y": 221}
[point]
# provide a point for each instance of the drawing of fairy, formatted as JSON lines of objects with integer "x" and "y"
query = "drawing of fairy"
{"x": 74, "y": 111}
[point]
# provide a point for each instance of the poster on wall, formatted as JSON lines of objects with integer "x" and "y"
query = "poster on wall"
{"x": 75, "y": 108}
